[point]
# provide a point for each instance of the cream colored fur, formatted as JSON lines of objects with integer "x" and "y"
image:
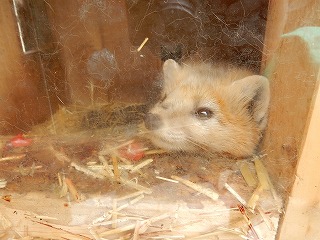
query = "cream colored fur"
{"x": 237, "y": 99}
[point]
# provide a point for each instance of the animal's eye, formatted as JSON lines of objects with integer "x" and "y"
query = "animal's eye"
{"x": 203, "y": 113}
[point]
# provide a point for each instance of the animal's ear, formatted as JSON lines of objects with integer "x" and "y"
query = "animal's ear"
{"x": 255, "y": 92}
{"x": 170, "y": 69}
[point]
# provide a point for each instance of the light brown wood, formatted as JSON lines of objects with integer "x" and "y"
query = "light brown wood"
{"x": 25, "y": 98}
{"x": 302, "y": 218}
{"x": 86, "y": 29}
{"x": 293, "y": 130}
{"x": 274, "y": 29}
{"x": 292, "y": 73}
{"x": 18, "y": 78}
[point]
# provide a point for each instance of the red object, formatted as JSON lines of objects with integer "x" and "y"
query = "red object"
{"x": 243, "y": 212}
{"x": 19, "y": 141}
{"x": 133, "y": 151}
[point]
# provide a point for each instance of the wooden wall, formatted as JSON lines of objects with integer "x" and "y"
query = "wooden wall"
{"x": 33, "y": 86}
{"x": 25, "y": 97}
{"x": 73, "y": 67}
{"x": 89, "y": 33}
{"x": 302, "y": 217}
{"x": 292, "y": 62}
{"x": 293, "y": 74}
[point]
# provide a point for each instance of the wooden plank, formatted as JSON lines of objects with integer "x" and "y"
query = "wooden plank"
{"x": 101, "y": 64}
{"x": 292, "y": 72}
{"x": 19, "y": 79}
{"x": 30, "y": 84}
{"x": 274, "y": 28}
{"x": 293, "y": 130}
{"x": 302, "y": 217}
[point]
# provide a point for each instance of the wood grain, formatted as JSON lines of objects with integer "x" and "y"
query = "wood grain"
{"x": 293, "y": 75}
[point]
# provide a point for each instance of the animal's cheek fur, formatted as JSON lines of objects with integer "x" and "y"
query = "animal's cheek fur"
{"x": 173, "y": 129}
{"x": 240, "y": 141}
{"x": 201, "y": 128}
{"x": 209, "y": 134}
{"x": 171, "y": 138}
{"x": 227, "y": 137}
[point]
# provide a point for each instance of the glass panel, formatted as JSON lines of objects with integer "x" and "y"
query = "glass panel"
{"x": 136, "y": 119}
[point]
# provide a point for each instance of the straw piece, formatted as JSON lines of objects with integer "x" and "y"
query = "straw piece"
{"x": 62, "y": 157}
{"x": 94, "y": 234}
{"x": 64, "y": 187}
{"x": 206, "y": 191}
{"x": 42, "y": 217}
{"x": 15, "y": 157}
{"x": 115, "y": 168}
{"x": 266, "y": 219}
{"x": 248, "y": 175}
{"x": 266, "y": 183}
{"x": 135, "y": 200}
{"x": 61, "y": 232}
{"x": 111, "y": 149}
{"x": 3, "y": 183}
{"x": 142, "y": 44}
{"x": 98, "y": 221}
{"x": 262, "y": 174}
{"x": 72, "y": 189}
{"x": 135, "y": 185}
{"x": 114, "y": 213}
{"x": 131, "y": 195}
{"x": 136, "y": 231}
{"x": 167, "y": 179}
{"x": 125, "y": 161}
{"x": 235, "y": 194}
{"x": 118, "y": 230}
{"x": 59, "y": 179}
{"x": 147, "y": 223}
{"x": 5, "y": 223}
{"x": 255, "y": 198}
{"x": 141, "y": 165}
{"x": 100, "y": 167}
{"x": 107, "y": 168}
{"x": 86, "y": 171}
{"x": 101, "y": 219}
{"x": 248, "y": 221}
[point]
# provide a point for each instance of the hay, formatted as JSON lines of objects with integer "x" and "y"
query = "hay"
{"x": 78, "y": 184}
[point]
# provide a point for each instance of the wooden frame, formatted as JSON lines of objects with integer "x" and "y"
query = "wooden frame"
{"x": 291, "y": 140}
{"x": 292, "y": 135}
{"x": 302, "y": 220}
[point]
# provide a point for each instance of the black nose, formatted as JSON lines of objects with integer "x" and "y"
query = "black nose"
{"x": 152, "y": 121}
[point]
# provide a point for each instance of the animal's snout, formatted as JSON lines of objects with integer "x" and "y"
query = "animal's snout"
{"x": 152, "y": 121}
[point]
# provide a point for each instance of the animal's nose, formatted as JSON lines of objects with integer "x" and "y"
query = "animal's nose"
{"x": 152, "y": 121}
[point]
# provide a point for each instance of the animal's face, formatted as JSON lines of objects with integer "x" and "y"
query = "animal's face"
{"x": 180, "y": 117}
{"x": 198, "y": 112}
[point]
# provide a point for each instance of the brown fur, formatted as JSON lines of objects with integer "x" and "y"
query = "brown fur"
{"x": 237, "y": 99}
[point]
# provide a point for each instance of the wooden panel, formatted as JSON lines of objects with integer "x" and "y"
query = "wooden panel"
{"x": 101, "y": 64}
{"x": 292, "y": 72}
{"x": 24, "y": 99}
{"x": 302, "y": 217}
{"x": 293, "y": 128}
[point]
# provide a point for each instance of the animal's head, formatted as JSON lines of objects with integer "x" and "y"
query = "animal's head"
{"x": 206, "y": 108}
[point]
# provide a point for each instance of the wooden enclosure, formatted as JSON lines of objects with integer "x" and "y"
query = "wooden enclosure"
{"x": 24, "y": 83}
{"x": 58, "y": 71}
{"x": 33, "y": 86}
{"x": 291, "y": 61}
